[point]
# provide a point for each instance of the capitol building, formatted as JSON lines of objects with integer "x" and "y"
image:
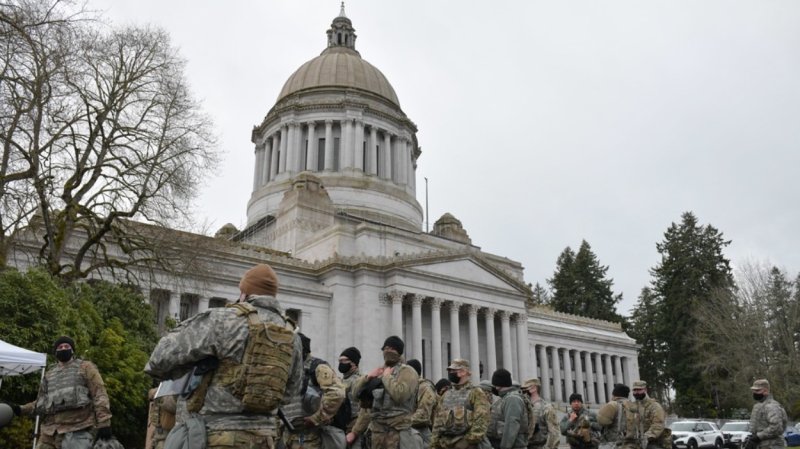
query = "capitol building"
{"x": 334, "y": 211}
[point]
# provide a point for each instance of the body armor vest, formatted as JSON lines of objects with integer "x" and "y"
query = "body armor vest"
{"x": 457, "y": 411}
{"x": 384, "y": 407}
{"x": 616, "y": 432}
{"x": 497, "y": 422}
{"x": 66, "y": 389}
{"x": 538, "y": 410}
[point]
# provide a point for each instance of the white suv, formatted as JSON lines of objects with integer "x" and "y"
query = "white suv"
{"x": 695, "y": 434}
{"x": 735, "y": 432}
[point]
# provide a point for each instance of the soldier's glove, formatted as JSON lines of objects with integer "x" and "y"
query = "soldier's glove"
{"x": 751, "y": 442}
{"x": 104, "y": 433}
{"x": 15, "y": 408}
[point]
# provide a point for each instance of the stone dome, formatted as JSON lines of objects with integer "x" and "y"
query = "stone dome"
{"x": 339, "y": 67}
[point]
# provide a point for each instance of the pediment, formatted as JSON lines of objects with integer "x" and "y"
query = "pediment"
{"x": 469, "y": 271}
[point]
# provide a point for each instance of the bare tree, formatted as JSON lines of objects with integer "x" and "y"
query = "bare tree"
{"x": 99, "y": 131}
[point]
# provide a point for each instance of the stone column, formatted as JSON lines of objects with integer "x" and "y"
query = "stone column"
{"x": 359, "y": 146}
{"x": 436, "y": 336}
{"x": 522, "y": 347}
{"x": 349, "y": 149}
{"x": 284, "y": 139}
{"x": 174, "y": 307}
{"x": 455, "y": 338}
{"x": 292, "y": 151}
{"x": 312, "y": 155}
{"x": 329, "y": 164}
{"x": 372, "y": 156}
{"x": 545, "y": 373}
{"x": 416, "y": 325}
{"x": 568, "y": 390}
{"x": 601, "y": 388}
{"x": 491, "y": 346}
{"x": 474, "y": 355}
{"x": 579, "y": 375}
{"x": 273, "y": 166}
{"x": 202, "y": 304}
{"x": 505, "y": 331}
{"x": 400, "y": 149}
{"x": 617, "y": 369}
{"x": 609, "y": 377}
{"x": 387, "y": 155}
{"x": 259, "y": 155}
{"x": 556, "y": 374}
{"x": 587, "y": 362}
{"x": 265, "y": 161}
{"x": 626, "y": 375}
{"x": 397, "y": 312}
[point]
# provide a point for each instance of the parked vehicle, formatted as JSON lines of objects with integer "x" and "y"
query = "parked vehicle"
{"x": 792, "y": 436}
{"x": 734, "y": 433}
{"x": 696, "y": 434}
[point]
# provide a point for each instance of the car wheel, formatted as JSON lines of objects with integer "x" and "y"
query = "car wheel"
{"x": 691, "y": 444}
{"x": 718, "y": 444}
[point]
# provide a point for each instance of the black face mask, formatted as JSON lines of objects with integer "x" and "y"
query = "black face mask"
{"x": 453, "y": 377}
{"x": 639, "y": 396}
{"x": 344, "y": 368}
{"x": 758, "y": 397}
{"x": 64, "y": 355}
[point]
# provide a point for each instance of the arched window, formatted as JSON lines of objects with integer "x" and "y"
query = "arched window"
{"x": 339, "y": 38}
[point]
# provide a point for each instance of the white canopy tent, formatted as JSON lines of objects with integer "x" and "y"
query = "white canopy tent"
{"x": 15, "y": 361}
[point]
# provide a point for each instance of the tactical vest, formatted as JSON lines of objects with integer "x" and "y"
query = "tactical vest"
{"x": 537, "y": 418}
{"x": 497, "y": 422}
{"x": 66, "y": 389}
{"x": 457, "y": 411}
{"x": 355, "y": 405}
{"x": 616, "y": 432}
{"x": 309, "y": 398}
{"x": 384, "y": 407}
{"x": 259, "y": 381}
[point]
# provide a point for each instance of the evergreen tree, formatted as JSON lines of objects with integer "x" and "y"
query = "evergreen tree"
{"x": 691, "y": 270}
{"x": 645, "y": 329}
{"x": 580, "y": 286}
{"x": 539, "y": 295}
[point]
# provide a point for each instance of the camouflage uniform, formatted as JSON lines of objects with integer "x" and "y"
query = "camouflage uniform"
{"x": 160, "y": 420}
{"x": 544, "y": 423}
{"x": 349, "y": 380}
{"x": 582, "y": 432}
{"x": 462, "y": 418}
{"x": 78, "y": 384}
{"x": 223, "y": 334}
{"x": 509, "y": 422}
{"x": 645, "y": 422}
{"x": 423, "y": 415}
{"x": 768, "y": 421}
{"x": 612, "y": 418}
{"x": 392, "y": 408}
{"x": 319, "y": 410}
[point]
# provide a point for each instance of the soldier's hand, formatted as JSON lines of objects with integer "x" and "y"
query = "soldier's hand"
{"x": 388, "y": 371}
{"x": 573, "y": 416}
{"x": 15, "y": 408}
{"x": 376, "y": 372}
{"x": 350, "y": 438}
{"x": 309, "y": 423}
{"x": 104, "y": 433}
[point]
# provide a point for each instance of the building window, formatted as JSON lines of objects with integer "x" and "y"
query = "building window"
{"x": 364, "y": 155}
{"x": 188, "y": 305}
{"x": 335, "y": 154}
{"x": 449, "y": 355}
{"x": 424, "y": 365}
{"x": 294, "y": 315}
{"x": 321, "y": 154}
{"x": 217, "y": 302}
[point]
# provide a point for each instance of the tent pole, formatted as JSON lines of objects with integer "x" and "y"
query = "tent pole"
{"x": 36, "y": 426}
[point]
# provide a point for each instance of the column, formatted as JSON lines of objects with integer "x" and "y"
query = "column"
{"x": 284, "y": 138}
{"x": 265, "y": 161}
{"x": 291, "y": 148}
{"x": 348, "y": 147}
{"x": 387, "y": 155}
{"x": 474, "y": 354}
{"x": 533, "y": 369}
{"x": 626, "y": 375}
{"x": 436, "y": 336}
{"x": 359, "y": 146}
{"x": 174, "y": 306}
{"x": 455, "y": 338}
{"x": 545, "y": 373}
{"x": 257, "y": 169}
{"x": 617, "y": 369}
{"x": 505, "y": 331}
{"x": 202, "y": 304}
{"x": 329, "y": 163}
{"x": 409, "y": 163}
{"x": 609, "y": 384}
{"x": 400, "y": 151}
{"x": 587, "y": 362}
{"x": 567, "y": 357}
{"x": 416, "y": 325}
{"x": 579, "y": 375}
{"x": 491, "y": 347}
{"x": 273, "y": 166}
{"x": 601, "y": 388}
{"x": 312, "y": 155}
{"x": 522, "y": 347}
{"x": 556, "y": 374}
{"x": 397, "y": 312}
{"x": 372, "y": 156}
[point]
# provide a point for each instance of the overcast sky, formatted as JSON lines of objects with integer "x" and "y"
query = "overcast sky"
{"x": 541, "y": 123}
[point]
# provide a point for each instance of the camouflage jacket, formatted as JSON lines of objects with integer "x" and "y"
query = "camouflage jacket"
{"x": 543, "y": 429}
{"x": 221, "y": 333}
{"x": 508, "y": 427}
{"x": 426, "y": 401}
{"x": 475, "y": 410}
{"x": 768, "y": 421}
{"x": 95, "y": 415}
{"x": 349, "y": 380}
{"x": 388, "y": 410}
{"x": 651, "y": 418}
{"x": 583, "y": 432}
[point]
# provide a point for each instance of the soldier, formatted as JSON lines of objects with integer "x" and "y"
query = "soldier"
{"x": 612, "y": 418}
{"x": 72, "y": 400}
{"x": 160, "y": 419}
{"x": 422, "y": 420}
{"x": 236, "y": 402}
{"x": 462, "y": 414}
{"x": 767, "y": 420}
{"x": 543, "y": 428}
{"x": 348, "y": 366}
{"x": 508, "y": 428}
{"x": 394, "y": 388}
{"x": 580, "y": 425}
{"x": 315, "y": 405}
{"x": 648, "y": 419}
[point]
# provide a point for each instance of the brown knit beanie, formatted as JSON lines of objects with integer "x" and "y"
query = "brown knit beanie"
{"x": 259, "y": 280}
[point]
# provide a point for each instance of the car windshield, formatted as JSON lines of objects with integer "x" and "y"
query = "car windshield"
{"x": 735, "y": 426}
{"x": 683, "y": 426}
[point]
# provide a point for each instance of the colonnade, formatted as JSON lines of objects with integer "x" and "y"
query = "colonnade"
{"x": 514, "y": 355}
{"x": 564, "y": 371}
{"x": 332, "y": 145}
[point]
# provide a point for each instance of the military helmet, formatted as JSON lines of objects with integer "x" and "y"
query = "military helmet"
{"x": 6, "y": 414}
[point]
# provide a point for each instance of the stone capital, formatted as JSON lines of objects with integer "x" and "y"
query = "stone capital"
{"x": 489, "y": 313}
{"x": 416, "y": 300}
{"x": 454, "y": 305}
{"x": 311, "y": 125}
{"x": 473, "y": 309}
{"x": 505, "y": 315}
{"x": 436, "y": 303}
{"x": 396, "y": 296}
{"x": 329, "y": 122}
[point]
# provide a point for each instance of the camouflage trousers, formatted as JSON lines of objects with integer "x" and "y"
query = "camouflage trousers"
{"x": 241, "y": 439}
{"x": 304, "y": 439}
{"x": 387, "y": 438}
{"x": 81, "y": 439}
